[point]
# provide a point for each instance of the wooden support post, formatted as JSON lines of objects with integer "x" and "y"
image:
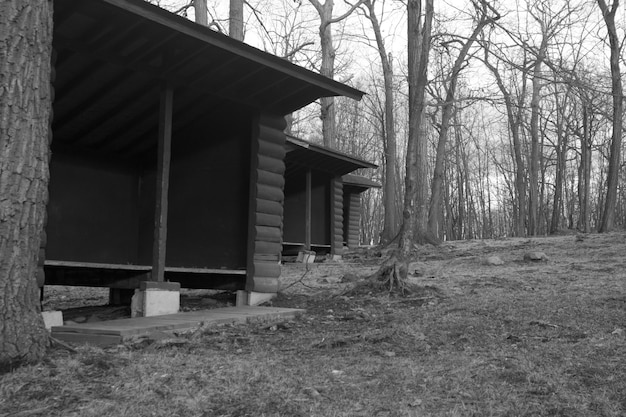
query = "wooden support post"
{"x": 307, "y": 212}
{"x": 163, "y": 179}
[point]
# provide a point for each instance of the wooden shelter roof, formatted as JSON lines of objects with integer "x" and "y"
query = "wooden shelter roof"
{"x": 302, "y": 155}
{"x": 112, "y": 56}
{"x": 359, "y": 182}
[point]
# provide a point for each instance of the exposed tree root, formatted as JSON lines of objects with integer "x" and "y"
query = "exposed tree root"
{"x": 393, "y": 275}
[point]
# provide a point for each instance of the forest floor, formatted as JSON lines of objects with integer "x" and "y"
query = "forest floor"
{"x": 477, "y": 337}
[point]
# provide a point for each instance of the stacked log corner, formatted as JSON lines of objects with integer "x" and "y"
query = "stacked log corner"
{"x": 354, "y": 221}
{"x": 336, "y": 217}
{"x": 267, "y": 196}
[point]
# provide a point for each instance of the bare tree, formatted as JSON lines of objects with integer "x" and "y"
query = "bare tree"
{"x": 561, "y": 147}
{"x": 486, "y": 15}
{"x": 235, "y": 20}
{"x": 393, "y": 272}
{"x": 414, "y": 214}
{"x": 390, "y": 227}
{"x": 325, "y": 11}
{"x": 514, "y": 118}
{"x": 608, "y": 216}
{"x": 25, "y": 110}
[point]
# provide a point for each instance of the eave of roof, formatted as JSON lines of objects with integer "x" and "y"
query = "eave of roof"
{"x": 219, "y": 40}
{"x": 303, "y": 154}
{"x": 175, "y": 48}
{"x": 359, "y": 182}
{"x": 112, "y": 56}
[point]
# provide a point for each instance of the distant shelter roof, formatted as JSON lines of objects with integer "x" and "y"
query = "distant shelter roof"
{"x": 302, "y": 154}
{"x": 359, "y": 182}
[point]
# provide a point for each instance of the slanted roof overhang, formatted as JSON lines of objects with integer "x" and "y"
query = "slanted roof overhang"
{"x": 303, "y": 155}
{"x": 112, "y": 56}
{"x": 358, "y": 183}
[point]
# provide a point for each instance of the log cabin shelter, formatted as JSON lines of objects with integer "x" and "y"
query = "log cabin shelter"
{"x": 167, "y": 152}
{"x": 322, "y": 199}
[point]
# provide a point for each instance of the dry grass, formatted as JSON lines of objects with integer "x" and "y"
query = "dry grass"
{"x": 520, "y": 339}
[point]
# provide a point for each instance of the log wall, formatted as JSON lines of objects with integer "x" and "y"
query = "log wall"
{"x": 336, "y": 216}
{"x": 265, "y": 223}
{"x": 352, "y": 219}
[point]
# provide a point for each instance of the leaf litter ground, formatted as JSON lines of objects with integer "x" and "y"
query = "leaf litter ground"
{"x": 525, "y": 338}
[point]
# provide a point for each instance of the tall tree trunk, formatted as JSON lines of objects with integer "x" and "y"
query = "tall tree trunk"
{"x": 201, "y": 12}
{"x": 25, "y": 110}
{"x": 533, "y": 195}
{"x": 235, "y": 20}
{"x": 414, "y": 209}
{"x": 608, "y": 216}
{"x": 327, "y": 69}
{"x": 584, "y": 173}
{"x": 514, "y": 118}
{"x": 461, "y": 179}
{"x": 561, "y": 154}
{"x": 390, "y": 224}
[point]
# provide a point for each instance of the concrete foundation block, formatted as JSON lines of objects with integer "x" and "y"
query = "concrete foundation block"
{"x": 306, "y": 257}
{"x": 52, "y": 318}
{"x": 256, "y": 298}
{"x": 155, "y": 299}
{"x": 242, "y": 298}
{"x": 251, "y": 298}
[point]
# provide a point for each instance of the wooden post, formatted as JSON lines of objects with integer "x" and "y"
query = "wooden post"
{"x": 163, "y": 179}
{"x": 307, "y": 212}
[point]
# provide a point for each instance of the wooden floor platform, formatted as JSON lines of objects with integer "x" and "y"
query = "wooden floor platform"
{"x": 111, "y": 332}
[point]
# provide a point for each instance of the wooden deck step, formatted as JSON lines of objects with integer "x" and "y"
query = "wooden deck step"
{"x": 104, "y": 333}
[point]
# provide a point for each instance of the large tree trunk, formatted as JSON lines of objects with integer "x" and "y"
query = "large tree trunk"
{"x": 200, "y": 9}
{"x": 584, "y": 172}
{"x": 533, "y": 195}
{"x": 415, "y": 209}
{"x": 390, "y": 223}
{"x": 25, "y": 110}
{"x": 561, "y": 154}
{"x": 235, "y": 20}
{"x": 327, "y": 69}
{"x": 393, "y": 273}
{"x": 608, "y": 216}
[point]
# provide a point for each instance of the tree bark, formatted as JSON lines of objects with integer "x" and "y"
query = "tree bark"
{"x": 584, "y": 172}
{"x": 327, "y": 69}
{"x": 201, "y": 12}
{"x": 608, "y": 216}
{"x": 415, "y": 210}
{"x": 235, "y": 20}
{"x": 25, "y": 112}
{"x": 390, "y": 222}
{"x": 533, "y": 195}
{"x": 561, "y": 154}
